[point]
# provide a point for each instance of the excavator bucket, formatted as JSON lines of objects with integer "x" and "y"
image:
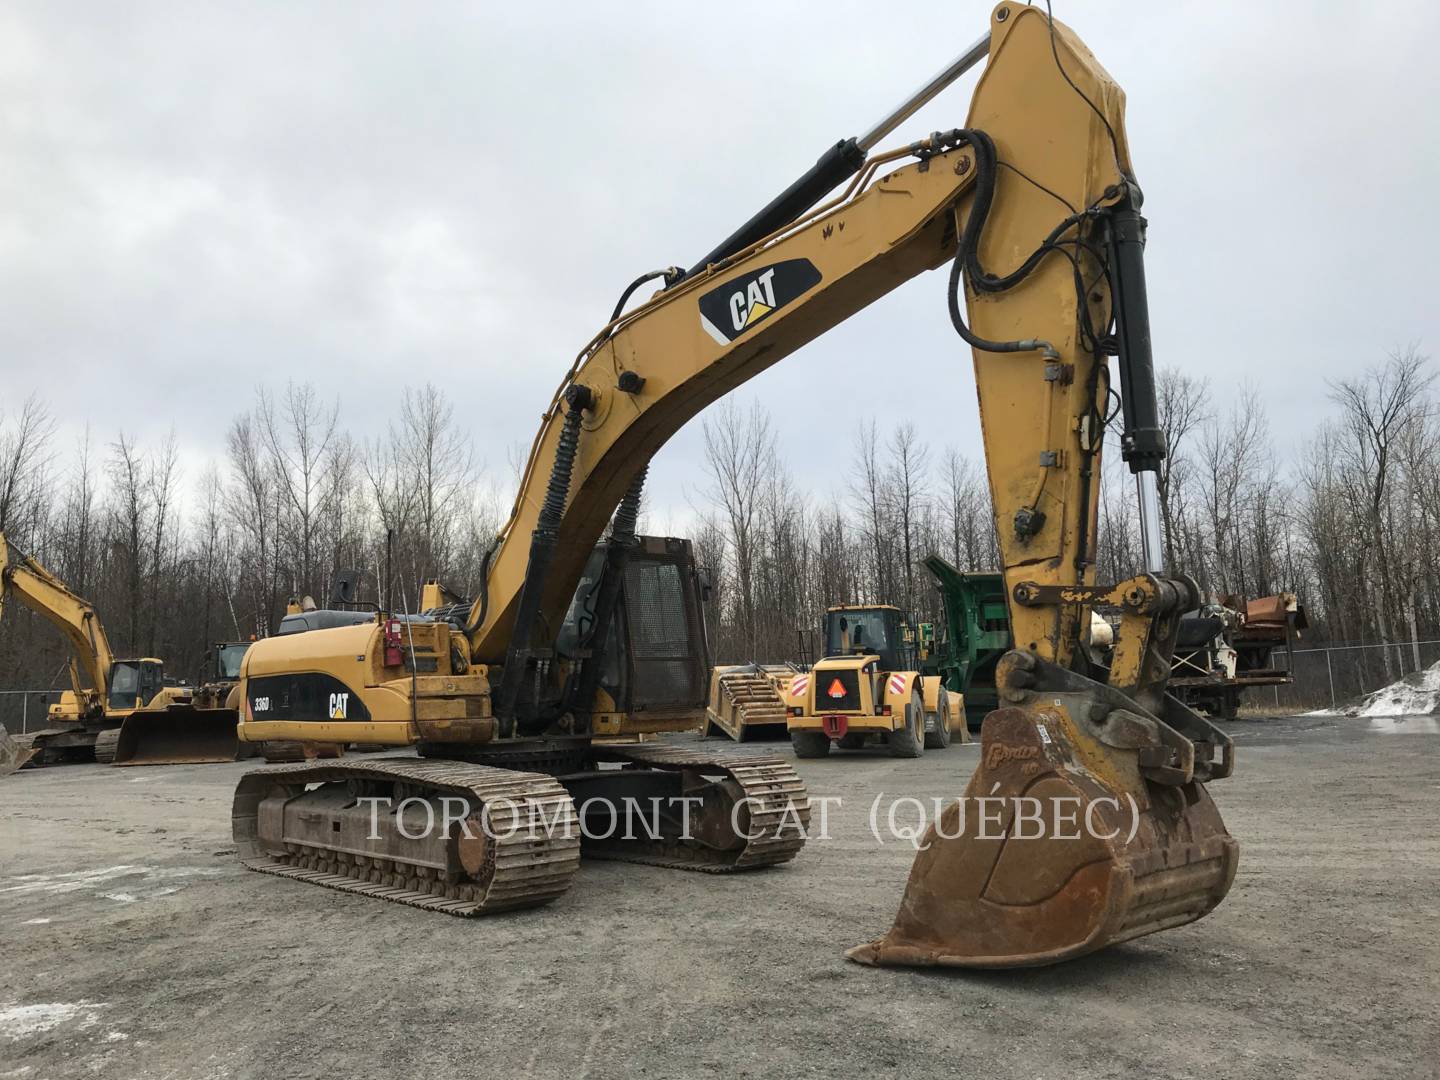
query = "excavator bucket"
{"x": 1058, "y": 849}
{"x": 178, "y": 735}
{"x": 13, "y": 754}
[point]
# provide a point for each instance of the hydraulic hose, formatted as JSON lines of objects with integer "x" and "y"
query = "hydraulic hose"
{"x": 967, "y": 255}
{"x": 542, "y": 553}
{"x": 617, "y": 556}
{"x": 671, "y": 274}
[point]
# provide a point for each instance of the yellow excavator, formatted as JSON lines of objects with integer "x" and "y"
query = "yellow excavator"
{"x": 117, "y": 710}
{"x": 1034, "y": 207}
{"x": 104, "y": 689}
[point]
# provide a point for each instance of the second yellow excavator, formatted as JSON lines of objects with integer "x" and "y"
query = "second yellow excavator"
{"x": 1034, "y": 206}
{"x": 104, "y": 689}
{"x": 117, "y": 710}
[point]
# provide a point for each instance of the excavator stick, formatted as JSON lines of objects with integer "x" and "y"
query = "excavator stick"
{"x": 1085, "y": 825}
{"x": 1087, "y": 822}
{"x": 178, "y": 735}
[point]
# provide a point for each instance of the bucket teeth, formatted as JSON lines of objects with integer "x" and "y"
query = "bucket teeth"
{"x": 1043, "y": 861}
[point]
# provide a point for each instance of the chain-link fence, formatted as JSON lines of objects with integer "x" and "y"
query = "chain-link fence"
{"x": 1324, "y": 677}
{"x": 23, "y": 711}
{"x": 1335, "y": 674}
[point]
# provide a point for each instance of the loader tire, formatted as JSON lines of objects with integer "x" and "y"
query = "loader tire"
{"x": 909, "y": 741}
{"x": 810, "y": 744}
{"x": 940, "y": 737}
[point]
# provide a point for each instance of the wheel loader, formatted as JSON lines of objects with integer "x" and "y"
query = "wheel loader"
{"x": 868, "y": 688}
{"x": 186, "y": 725}
{"x": 1034, "y": 208}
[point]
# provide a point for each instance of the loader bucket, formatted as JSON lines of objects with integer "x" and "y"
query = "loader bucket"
{"x": 178, "y": 735}
{"x": 13, "y": 754}
{"x": 1109, "y": 861}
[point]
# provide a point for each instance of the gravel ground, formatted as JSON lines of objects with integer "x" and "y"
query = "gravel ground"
{"x": 135, "y": 946}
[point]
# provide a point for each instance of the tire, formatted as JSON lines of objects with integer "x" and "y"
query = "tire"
{"x": 939, "y": 739}
{"x": 810, "y": 744}
{"x": 909, "y": 741}
{"x": 853, "y": 741}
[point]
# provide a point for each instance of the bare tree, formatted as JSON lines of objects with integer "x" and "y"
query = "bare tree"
{"x": 1376, "y": 411}
{"x": 251, "y": 506}
{"x": 296, "y": 435}
{"x": 24, "y": 453}
{"x": 130, "y": 526}
{"x": 868, "y": 480}
{"x": 906, "y": 494}
{"x": 739, "y": 457}
{"x": 1184, "y": 403}
{"x": 162, "y": 476}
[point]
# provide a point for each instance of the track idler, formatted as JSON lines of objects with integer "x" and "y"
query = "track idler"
{"x": 1085, "y": 824}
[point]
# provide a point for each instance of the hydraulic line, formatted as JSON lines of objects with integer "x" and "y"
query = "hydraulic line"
{"x": 671, "y": 274}
{"x": 617, "y": 555}
{"x": 542, "y": 552}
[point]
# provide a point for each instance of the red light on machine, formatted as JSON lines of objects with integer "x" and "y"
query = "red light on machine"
{"x": 393, "y": 656}
{"x": 884, "y": 710}
{"x": 837, "y": 689}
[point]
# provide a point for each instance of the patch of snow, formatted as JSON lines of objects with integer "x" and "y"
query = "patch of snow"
{"x": 141, "y": 882}
{"x": 19, "y": 1021}
{"x": 36, "y": 922}
{"x": 116, "y": 1036}
{"x": 72, "y": 881}
{"x": 1417, "y": 694}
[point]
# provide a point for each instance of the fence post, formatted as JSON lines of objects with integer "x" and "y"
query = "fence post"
{"x": 1330, "y": 670}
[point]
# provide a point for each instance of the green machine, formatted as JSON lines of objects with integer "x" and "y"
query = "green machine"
{"x": 976, "y": 634}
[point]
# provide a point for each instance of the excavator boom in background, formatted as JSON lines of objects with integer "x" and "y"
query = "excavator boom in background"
{"x": 1034, "y": 208}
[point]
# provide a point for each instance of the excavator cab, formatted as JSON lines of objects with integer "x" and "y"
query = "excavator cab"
{"x": 134, "y": 682}
{"x": 229, "y": 655}
{"x": 654, "y": 667}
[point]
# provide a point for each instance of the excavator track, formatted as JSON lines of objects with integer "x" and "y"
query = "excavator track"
{"x": 528, "y": 858}
{"x": 779, "y": 811}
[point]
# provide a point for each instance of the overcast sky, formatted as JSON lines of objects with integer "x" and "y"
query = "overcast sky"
{"x": 203, "y": 197}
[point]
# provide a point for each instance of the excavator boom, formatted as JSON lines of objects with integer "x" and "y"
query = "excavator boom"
{"x": 43, "y": 593}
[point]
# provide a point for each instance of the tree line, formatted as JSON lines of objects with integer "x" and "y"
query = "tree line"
{"x": 174, "y": 564}
{"x": 1349, "y": 519}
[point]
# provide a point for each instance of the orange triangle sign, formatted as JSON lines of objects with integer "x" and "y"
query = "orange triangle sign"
{"x": 837, "y": 689}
